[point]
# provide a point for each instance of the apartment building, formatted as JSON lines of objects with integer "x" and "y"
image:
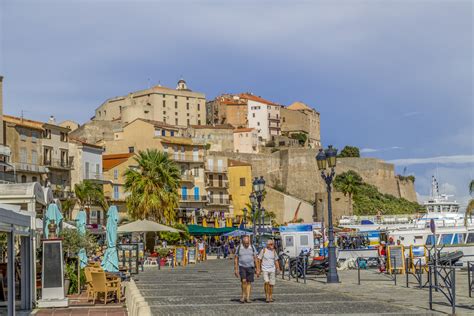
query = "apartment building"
{"x": 246, "y": 140}
{"x": 217, "y": 185}
{"x": 227, "y": 109}
{"x": 217, "y": 137}
{"x": 240, "y": 186}
{"x": 87, "y": 162}
{"x": 263, "y": 115}
{"x": 24, "y": 138}
{"x": 55, "y": 148}
{"x": 179, "y": 107}
{"x": 300, "y": 118}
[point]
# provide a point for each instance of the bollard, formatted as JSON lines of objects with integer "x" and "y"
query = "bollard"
{"x": 454, "y": 291}
{"x": 470, "y": 268}
{"x": 358, "y": 271}
{"x": 297, "y": 268}
{"x": 304, "y": 269}
{"x": 431, "y": 287}
{"x": 407, "y": 260}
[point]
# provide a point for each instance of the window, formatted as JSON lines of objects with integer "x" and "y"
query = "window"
{"x": 242, "y": 182}
{"x": 175, "y": 96}
{"x": 164, "y": 103}
{"x": 97, "y": 170}
{"x": 187, "y": 106}
{"x": 172, "y": 133}
{"x": 34, "y": 137}
{"x": 258, "y": 123}
{"x": 87, "y": 170}
{"x": 187, "y": 114}
{"x": 458, "y": 239}
{"x": 188, "y": 121}
{"x": 446, "y": 239}
{"x": 165, "y": 148}
{"x": 184, "y": 193}
{"x": 23, "y": 179}
{"x": 253, "y": 114}
{"x": 289, "y": 241}
{"x": 196, "y": 172}
{"x": 176, "y": 121}
{"x": 163, "y": 132}
{"x": 116, "y": 192}
{"x": 34, "y": 179}
{"x": 304, "y": 240}
{"x": 131, "y": 149}
{"x": 470, "y": 237}
{"x": 199, "y": 122}
{"x": 175, "y": 104}
{"x": 22, "y": 135}
{"x": 115, "y": 174}
{"x": 34, "y": 157}
{"x": 63, "y": 137}
{"x": 23, "y": 156}
{"x": 199, "y": 107}
{"x": 47, "y": 133}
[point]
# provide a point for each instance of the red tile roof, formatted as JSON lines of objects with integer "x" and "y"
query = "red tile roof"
{"x": 243, "y": 130}
{"x": 252, "y": 97}
{"x": 113, "y": 160}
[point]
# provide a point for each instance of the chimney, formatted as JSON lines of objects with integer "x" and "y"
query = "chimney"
{"x": 52, "y": 120}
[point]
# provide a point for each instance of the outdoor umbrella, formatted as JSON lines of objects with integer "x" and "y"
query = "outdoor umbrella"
{"x": 142, "y": 226}
{"x": 52, "y": 213}
{"x": 204, "y": 222}
{"x": 110, "y": 262}
{"x": 81, "y": 227}
{"x": 237, "y": 233}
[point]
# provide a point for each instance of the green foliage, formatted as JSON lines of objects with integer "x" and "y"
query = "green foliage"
{"x": 89, "y": 193}
{"x": 67, "y": 206}
{"x": 70, "y": 270}
{"x": 349, "y": 151}
{"x": 271, "y": 143}
{"x": 368, "y": 200}
{"x": 301, "y": 137}
{"x": 471, "y": 187}
{"x": 208, "y": 146}
{"x": 153, "y": 187}
{"x": 175, "y": 238}
{"x": 406, "y": 178}
{"x": 73, "y": 241}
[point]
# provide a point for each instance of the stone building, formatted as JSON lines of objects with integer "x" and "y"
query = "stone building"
{"x": 300, "y": 118}
{"x": 227, "y": 109}
{"x": 179, "y": 107}
{"x": 217, "y": 137}
{"x": 24, "y": 137}
{"x": 246, "y": 140}
{"x": 263, "y": 115}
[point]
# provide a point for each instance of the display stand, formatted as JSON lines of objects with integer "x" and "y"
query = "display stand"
{"x": 52, "y": 294}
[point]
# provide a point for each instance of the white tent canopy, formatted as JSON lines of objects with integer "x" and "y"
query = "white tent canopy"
{"x": 142, "y": 226}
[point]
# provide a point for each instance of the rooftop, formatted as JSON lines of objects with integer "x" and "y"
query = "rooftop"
{"x": 252, "y": 97}
{"x": 243, "y": 130}
{"x": 219, "y": 126}
{"x": 23, "y": 122}
{"x": 237, "y": 163}
{"x": 84, "y": 143}
{"x": 154, "y": 123}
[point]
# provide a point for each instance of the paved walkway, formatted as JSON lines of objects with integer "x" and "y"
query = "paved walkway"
{"x": 210, "y": 288}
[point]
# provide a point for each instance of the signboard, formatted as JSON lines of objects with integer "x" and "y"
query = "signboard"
{"x": 192, "y": 255}
{"x": 294, "y": 228}
{"x": 396, "y": 259}
{"x": 433, "y": 226}
{"x": 180, "y": 258}
{"x": 52, "y": 293}
{"x": 418, "y": 258}
{"x": 128, "y": 257}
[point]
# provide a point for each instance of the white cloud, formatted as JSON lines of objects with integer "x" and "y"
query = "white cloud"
{"x": 368, "y": 150}
{"x": 373, "y": 150}
{"x": 455, "y": 159}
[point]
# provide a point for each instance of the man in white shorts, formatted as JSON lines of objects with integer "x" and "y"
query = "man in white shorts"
{"x": 268, "y": 264}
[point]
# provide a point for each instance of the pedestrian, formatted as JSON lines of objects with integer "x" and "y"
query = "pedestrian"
{"x": 201, "y": 249}
{"x": 382, "y": 256}
{"x": 269, "y": 265}
{"x": 245, "y": 263}
{"x": 232, "y": 248}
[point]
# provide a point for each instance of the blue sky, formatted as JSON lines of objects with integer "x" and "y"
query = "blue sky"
{"x": 392, "y": 77}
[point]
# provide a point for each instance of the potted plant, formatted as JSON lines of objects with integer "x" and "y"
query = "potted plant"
{"x": 163, "y": 253}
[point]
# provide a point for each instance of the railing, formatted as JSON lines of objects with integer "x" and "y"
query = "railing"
{"x": 58, "y": 163}
{"x": 187, "y": 177}
{"x": 7, "y": 177}
{"x": 216, "y": 169}
{"x": 192, "y": 198}
{"x": 5, "y": 151}
{"x": 29, "y": 167}
{"x": 94, "y": 176}
{"x": 217, "y": 183}
{"x": 218, "y": 201}
{"x": 186, "y": 158}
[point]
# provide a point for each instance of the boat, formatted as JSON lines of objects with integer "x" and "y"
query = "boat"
{"x": 452, "y": 233}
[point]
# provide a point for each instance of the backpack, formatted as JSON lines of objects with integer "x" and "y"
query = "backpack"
{"x": 254, "y": 251}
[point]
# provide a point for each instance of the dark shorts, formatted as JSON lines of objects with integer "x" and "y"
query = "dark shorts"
{"x": 247, "y": 274}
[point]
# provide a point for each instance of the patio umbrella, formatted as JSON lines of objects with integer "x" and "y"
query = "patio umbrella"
{"x": 204, "y": 222}
{"x": 52, "y": 213}
{"x": 216, "y": 223}
{"x": 229, "y": 222}
{"x": 81, "y": 227}
{"x": 142, "y": 226}
{"x": 110, "y": 262}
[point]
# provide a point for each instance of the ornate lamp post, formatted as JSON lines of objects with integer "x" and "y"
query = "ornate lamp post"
{"x": 258, "y": 185}
{"x": 324, "y": 158}
{"x": 245, "y": 216}
{"x": 253, "y": 201}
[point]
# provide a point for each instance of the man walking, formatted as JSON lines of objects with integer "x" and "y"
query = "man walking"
{"x": 268, "y": 264}
{"x": 244, "y": 267}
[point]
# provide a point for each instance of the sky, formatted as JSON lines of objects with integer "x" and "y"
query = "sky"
{"x": 394, "y": 78}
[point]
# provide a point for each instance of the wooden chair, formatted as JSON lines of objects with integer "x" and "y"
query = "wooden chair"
{"x": 101, "y": 285}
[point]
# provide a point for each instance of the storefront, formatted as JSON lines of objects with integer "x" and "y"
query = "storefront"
{"x": 18, "y": 264}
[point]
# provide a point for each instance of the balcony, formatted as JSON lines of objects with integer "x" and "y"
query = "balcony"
{"x": 94, "y": 176}
{"x": 58, "y": 164}
{"x": 5, "y": 151}
{"x": 29, "y": 167}
{"x": 218, "y": 201}
{"x": 7, "y": 178}
{"x": 217, "y": 183}
{"x": 216, "y": 169}
{"x": 187, "y": 178}
{"x": 192, "y": 199}
{"x": 186, "y": 158}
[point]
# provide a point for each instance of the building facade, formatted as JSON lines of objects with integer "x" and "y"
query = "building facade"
{"x": 179, "y": 107}
{"x": 263, "y": 115}
{"x": 227, "y": 109}
{"x": 217, "y": 185}
{"x": 246, "y": 140}
{"x": 300, "y": 118}
{"x": 240, "y": 186}
{"x": 217, "y": 137}
{"x": 87, "y": 160}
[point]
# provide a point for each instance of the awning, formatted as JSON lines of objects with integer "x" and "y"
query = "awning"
{"x": 198, "y": 230}
{"x": 142, "y": 226}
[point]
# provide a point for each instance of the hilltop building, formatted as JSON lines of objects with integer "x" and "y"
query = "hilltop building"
{"x": 227, "y": 109}
{"x": 300, "y": 118}
{"x": 246, "y": 140}
{"x": 240, "y": 186}
{"x": 179, "y": 107}
{"x": 217, "y": 137}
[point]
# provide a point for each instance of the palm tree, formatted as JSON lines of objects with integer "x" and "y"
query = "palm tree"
{"x": 470, "y": 205}
{"x": 67, "y": 206}
{"x": 152, "y": 187}
{"x": 89, "y": 193}
{"x": 348, "y": 183}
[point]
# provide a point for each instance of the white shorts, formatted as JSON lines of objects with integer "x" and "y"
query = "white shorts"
{"x": 269, "y": 277}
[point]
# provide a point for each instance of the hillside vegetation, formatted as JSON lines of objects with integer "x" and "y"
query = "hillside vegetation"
{"x": 367, "y": 200}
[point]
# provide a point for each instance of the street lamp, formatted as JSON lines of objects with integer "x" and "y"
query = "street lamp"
{"x": 258, "y": 185}
{"x": 245, "y": 216}
{"x": 323, "y": 158}
{"x": 253, "y": 201}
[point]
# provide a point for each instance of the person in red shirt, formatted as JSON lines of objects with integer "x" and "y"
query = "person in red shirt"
{"x": 382, "y": 256}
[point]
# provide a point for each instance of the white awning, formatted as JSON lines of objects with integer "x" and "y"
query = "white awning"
{"x": 142, "y": 226}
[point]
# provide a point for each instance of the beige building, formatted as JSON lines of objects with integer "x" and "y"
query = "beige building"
{"x": 217, "y": 185}
{"x": 246, "y": 140}
{"x": 240, "y": 186}
{"x": 179, "y": 107}
{"x": 72, "y": 125}
{"x": 300, "y": 118}
{"x": 55, "y": 148}
{"x": 24, "y": 137}
{"x": 217, "y": 137}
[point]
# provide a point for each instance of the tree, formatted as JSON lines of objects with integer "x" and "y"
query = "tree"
{"x": 348, "y": 183}
{"x": 67, "y": 206}
{"x": 301, "y": 137}
{"x": 89, "y": 193}
{"x": 350, "y": 151}
{"x": 153, "y": 187}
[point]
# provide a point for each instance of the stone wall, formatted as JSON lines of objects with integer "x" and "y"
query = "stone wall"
{"x": 95, "y": 131}
{"x": 284, "y": 206}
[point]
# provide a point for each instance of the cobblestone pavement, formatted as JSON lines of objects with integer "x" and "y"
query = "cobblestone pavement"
{"x": 210, "y": 288}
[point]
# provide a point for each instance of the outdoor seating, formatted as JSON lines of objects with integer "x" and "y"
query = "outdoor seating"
{"x": 151, "y": 261}
{"x": 100, "y": 285}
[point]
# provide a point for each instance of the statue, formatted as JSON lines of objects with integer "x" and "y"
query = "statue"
{"x": 52, "y": 229}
